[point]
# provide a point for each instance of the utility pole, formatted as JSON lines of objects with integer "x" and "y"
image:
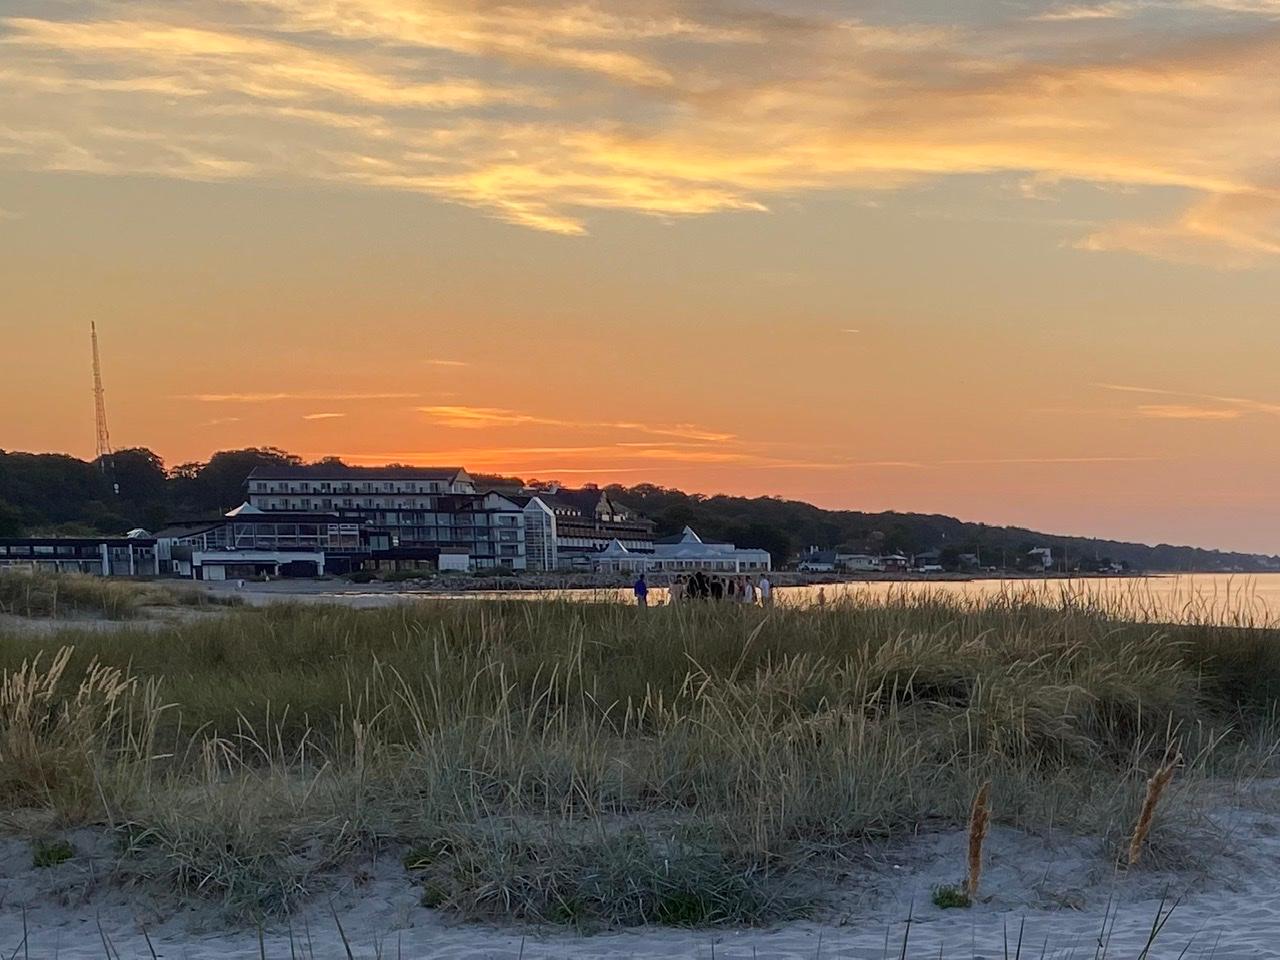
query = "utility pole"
{"x": 100, "y": 414}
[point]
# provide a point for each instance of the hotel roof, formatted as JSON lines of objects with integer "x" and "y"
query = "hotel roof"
{"x": 341, "y": 471}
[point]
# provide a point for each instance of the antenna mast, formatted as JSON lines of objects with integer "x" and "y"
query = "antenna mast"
{"x": 100, "y": 407}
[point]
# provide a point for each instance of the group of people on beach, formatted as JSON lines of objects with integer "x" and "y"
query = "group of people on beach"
{"x": 738, "y": 588}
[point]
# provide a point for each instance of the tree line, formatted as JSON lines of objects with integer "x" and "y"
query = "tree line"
{"x": 45, "y": 494}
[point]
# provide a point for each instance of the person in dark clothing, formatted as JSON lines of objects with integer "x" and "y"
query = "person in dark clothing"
{"x": 717, "y": 588}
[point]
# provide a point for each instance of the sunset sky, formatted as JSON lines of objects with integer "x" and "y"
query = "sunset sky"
{"x": 1015, "y": 262}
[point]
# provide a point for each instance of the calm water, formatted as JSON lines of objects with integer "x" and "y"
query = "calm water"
{"x": 1216, "y": 598}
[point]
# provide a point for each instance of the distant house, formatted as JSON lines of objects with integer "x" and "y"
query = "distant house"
{"x": 1041, "y": 557}
{"x": 895, "y": 563}
{"x": 930, "y": 561}
{"x": 859, "y": 563}
{"x": 817, "y": 561}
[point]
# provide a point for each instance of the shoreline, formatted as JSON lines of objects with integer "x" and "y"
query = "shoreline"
{"x": 542, "y": 583}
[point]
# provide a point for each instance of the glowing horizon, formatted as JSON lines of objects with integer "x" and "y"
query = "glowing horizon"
{"x": 1012, "y": 263}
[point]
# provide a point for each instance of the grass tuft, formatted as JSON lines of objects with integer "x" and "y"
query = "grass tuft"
{"x": 947, "y": 897}
{"x": 51, "y": 853}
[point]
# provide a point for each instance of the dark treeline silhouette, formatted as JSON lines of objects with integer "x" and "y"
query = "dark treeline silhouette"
{"x": 58, "y": 494}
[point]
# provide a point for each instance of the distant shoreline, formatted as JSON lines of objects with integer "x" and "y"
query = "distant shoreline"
{"x": 542, "y": 583}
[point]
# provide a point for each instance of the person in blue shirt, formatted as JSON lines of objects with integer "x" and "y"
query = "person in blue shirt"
{"x": 642, "y": 592}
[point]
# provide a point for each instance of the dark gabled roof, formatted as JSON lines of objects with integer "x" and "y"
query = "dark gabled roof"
{"x": 340, "y": 471}
{"x": 576, "y": 501}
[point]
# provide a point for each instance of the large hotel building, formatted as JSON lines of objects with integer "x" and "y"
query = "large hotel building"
{"x": 413, "y": 513}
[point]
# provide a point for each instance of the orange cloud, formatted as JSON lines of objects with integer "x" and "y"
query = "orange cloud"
{"x": 276, "y": 397}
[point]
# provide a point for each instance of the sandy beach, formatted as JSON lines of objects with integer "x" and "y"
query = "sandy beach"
{"x": 1056, "y": 893}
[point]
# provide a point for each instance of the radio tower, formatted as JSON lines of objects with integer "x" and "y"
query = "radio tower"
{"x": 100, "y": 409}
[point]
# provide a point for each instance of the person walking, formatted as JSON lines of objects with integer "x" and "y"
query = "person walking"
{"x": 701, "y": 587}
{"x": 641, "y": 590}
{"x": 675, "y": 591}
{"x": 748, "y": 591}
{"x": 766, "y": 591}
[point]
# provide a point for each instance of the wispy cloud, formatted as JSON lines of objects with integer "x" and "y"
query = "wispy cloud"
{"x": 480, "y": 418}
{"x": 610, "y": 106}
{"x": 1238, "y": 405}
{"x": 221, "y": 421}
{"x": 323, "y": 416}
{"x": 284, "y": 396}
{"x": 1099, "y": 11}
{"x": 449, "y": 363}
{"x": 996, "y": 461}
{"x": 1182, "y": 411}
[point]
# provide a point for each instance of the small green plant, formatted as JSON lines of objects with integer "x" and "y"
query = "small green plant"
{"x": 947, "y": 897}
{"x": 434, "y": 894}
{"x": 50, "y": 853}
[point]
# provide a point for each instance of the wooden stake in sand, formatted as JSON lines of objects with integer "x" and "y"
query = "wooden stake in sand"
{"x": 979, "y": 818}
{"x": 1155, "y": 789}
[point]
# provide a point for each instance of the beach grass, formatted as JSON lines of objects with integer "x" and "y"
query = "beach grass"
{"x": 27, "y": 593}
{"x": 592, "y": 764}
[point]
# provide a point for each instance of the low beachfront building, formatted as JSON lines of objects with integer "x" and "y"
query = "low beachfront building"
{"x": 683, "y": 553}
{"x": 248, "y": 542}
{"x": 132, "y": 556}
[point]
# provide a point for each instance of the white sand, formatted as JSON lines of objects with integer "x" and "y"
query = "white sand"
{"x": 1062, "y": 890}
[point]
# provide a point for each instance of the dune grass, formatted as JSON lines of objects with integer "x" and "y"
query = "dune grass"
{"x": 594, "y": 764}
{"x": 26, "y": 593}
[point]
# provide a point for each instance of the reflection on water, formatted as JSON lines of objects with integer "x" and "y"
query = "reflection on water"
{"x": 1203, "y": 598}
